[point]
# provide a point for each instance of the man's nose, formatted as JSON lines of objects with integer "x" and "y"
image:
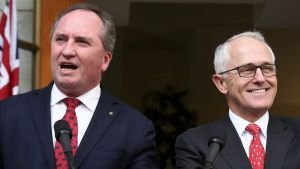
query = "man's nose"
{"x": 259, "y": 76}
{"x": 68, "y": 50}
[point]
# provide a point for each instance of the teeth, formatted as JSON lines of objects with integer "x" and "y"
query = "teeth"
{"x": 259, "y": 91}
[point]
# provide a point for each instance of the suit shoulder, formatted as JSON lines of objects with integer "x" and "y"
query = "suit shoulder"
{"x": 23, "y": 100}
{"x": 21, "y": 97}
{"x": 125, "y": 110}
{"x": 203, "y": 132}
{"x": 292, "y": 122}
{"x": 17, "y": 98}
{"x": 200, "y": 129}
{"x": 132, "y": 112}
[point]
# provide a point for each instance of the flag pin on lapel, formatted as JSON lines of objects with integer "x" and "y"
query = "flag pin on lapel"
{"x": 111, "y": 113}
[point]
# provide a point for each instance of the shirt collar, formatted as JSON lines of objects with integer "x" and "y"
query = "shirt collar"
{"x": 56, "y": 95}
{"x": 89, "y": 99}
{"x": 240, "y": 124}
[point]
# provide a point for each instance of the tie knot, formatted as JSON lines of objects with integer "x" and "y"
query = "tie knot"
{"x": 71, "y": 102}
{"x": 253, "y": 128}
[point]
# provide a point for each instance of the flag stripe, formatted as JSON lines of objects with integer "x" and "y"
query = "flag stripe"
{"x": 9, "y": 60}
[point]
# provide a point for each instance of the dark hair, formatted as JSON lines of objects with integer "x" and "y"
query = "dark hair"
{"x": 108, "y": 34}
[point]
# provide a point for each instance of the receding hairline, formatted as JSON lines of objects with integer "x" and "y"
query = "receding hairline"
{"x": 101, "y": 24}
{"x": 261, "y": 41}
{"x": 222, "y": 53}
{"x": 58, "y": 20}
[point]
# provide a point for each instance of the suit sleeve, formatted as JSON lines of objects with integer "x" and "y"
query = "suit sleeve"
{"x": 146, "y": 156}
{"x": 187, "y": 155}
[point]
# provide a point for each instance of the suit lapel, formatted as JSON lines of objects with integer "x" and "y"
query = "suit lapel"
{"x": 233, "y": 152}
{"x": 100, "y": 122}
{"x": 278, "y": 140}
{"x": 40, "y": 111}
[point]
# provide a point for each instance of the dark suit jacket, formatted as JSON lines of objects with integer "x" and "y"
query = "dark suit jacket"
{"x": 125, "y": 139}
{"x": 282, "y": 150}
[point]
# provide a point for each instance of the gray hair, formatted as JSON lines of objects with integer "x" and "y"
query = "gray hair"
{"x": 108, "y": 34}
{"x": 222, "y": 54}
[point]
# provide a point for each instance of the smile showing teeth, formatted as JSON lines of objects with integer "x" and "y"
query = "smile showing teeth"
{"x": 258, "y": 91}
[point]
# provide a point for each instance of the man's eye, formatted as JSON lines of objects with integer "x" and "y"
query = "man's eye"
{"x": 246, "y": 69}
{"x": 268, "y": 67}
{"x": 60, "y": 39}
{"x": 83, "y": 42}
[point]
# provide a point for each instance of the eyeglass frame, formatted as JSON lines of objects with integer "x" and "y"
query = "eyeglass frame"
{"x": 254, "y": 66}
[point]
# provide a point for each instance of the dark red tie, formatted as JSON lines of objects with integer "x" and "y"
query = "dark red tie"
{"x": 256, "y": 149}
{"x": 70, "y": 117}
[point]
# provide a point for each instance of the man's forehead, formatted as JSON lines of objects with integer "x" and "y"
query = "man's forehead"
{"x": 79, "y": 23}
{"x": 244, "y": 54}
{"x": 81, "y": 17}
{"x": 81, "y": 12}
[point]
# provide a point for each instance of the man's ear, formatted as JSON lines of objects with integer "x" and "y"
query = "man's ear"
{"x": 106, "y": 61}
{"x": 220, "y": 83}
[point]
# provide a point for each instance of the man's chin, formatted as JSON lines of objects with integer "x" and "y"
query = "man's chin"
{"x": 67, "y": 81}
{"x": 260, "y": 109}
{"x": 66, "y": 84}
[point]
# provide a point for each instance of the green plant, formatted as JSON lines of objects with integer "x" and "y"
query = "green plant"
{"x": 170, "y": 117}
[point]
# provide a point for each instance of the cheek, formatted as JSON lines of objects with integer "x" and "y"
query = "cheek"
{"x": 238, "y": 88}
{"x": 53, "y": 59}
{"x": 233, "y": 83}
{"x": 93, "y": 66}
{"x": 275, "y": 87}
{"x": 55, "y": 54}
{"x": 55, "y": 51}
{"x": 274, "y": 82}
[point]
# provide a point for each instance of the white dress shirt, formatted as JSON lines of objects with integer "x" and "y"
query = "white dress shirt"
{"x": 84, "y": 111}
{"x": 241, "y": 124}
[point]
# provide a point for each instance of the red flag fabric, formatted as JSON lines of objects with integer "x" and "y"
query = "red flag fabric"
{"x": 9, "y": 60}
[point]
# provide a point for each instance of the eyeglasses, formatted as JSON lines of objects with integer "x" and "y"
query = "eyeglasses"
{"x": 249, "y": 70}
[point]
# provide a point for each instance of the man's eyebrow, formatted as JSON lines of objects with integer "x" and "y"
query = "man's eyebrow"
{"x": 60, "y": 35}
{"x": 252, "y": 64}
{"x": 84, "y": 38}
{"x": 247, "y": 64}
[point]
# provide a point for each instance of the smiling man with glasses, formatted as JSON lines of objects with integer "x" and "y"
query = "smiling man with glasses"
{"x": 245, "y": 72}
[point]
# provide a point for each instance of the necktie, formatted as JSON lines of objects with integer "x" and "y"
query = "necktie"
{"x": 256, "y": 150}
{"x": 70, "y": 117}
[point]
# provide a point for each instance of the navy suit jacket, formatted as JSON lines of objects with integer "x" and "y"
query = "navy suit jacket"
{"x": 282, "y": 149}
{"x": 125, "y": 139}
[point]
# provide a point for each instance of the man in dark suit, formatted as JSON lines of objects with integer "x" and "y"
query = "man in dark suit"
{"x": 246, "y": 75}
{"x": 109, "y": 134}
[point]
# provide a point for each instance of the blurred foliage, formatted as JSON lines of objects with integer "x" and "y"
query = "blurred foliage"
{"x": 170, "y": 117}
